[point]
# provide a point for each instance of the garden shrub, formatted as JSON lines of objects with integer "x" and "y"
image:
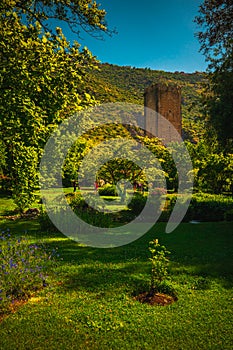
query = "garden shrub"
{"x": 96, "y": 218}
{"x": 76, "y": 201}
{"x": 208, "y": 207}
{"x": 139, "y": 200}
{"x": 83, "y": 210}
{"x": 203, "y": 207}
{"x": 23, "y": 268}
{"x": 159, "y": 262}
{"x": 160, "y": 269}
{"x": 88, "y": 213}
{"x": 137, "y": 203}
{"x": 228, "y": 216}
{"x": 107, "y": 190}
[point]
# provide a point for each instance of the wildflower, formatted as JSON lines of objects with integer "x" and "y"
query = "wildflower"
{"x": 20, "y": 263}
{"x": 12, "y": 264}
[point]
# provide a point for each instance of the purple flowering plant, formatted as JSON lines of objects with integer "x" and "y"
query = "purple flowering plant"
{"x": 23, "y": 267}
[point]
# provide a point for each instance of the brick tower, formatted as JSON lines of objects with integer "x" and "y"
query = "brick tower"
{"x": 163, "y": 100}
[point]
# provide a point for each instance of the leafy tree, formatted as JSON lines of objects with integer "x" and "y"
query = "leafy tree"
{"x": 42, "y": 81}
{"x": 73, "y": 160}
{"x": 216, "y": 39}
{"x": 85, "y": 14}
{"x": 212, "y": 168}
{"x": 116, "y": 162}
{"x": 215, "y": 18}
{"x": 165, "y": 158}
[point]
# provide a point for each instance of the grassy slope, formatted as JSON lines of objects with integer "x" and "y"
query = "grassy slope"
{"x": 89, "y": 304}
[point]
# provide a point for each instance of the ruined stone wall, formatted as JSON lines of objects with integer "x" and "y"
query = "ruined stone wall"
{"x": 164, "y": 100}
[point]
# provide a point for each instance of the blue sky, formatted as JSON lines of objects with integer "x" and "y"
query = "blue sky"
{"x": 152, "y": 33}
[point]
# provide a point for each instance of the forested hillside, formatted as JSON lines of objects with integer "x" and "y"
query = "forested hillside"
{"x": 112, "y": 83}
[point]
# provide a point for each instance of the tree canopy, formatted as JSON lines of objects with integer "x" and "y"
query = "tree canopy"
{"x": 216, "y": 39}
{"x": 78, "y": 14}
{"x": 42, "y": 81}
{"x": 216, "y": 36}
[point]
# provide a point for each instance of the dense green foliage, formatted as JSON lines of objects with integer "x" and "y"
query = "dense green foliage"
{"x": 137, "y": 203}
{"x": 215, "y": 36}
{"x": 44, "y": 79}
{"x": 79, "y": 15}
{"x": 107, "y": 190}
{"x": 203, "y": 207}
{"x": 212, "y": 168}
{"x": 112, "y": 212}
{"x": 216, "y": 30}
{"x": 42, "y": 82}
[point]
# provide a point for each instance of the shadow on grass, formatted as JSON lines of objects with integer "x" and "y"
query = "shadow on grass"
{"x": 108, "y": 280}
{"x": 132, "y": 279}
{"x": 198, "y": 252}
{"x": 21, "y": 226}
{"x": 129, "y": 265}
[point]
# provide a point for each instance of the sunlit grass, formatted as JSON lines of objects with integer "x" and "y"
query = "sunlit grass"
{"x": 89, "y": 303}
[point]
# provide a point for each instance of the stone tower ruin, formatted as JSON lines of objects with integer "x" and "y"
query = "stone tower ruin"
{"x": 163, "y": 100}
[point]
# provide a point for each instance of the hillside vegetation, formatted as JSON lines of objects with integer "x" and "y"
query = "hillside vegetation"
{"x": 112, "y": 83}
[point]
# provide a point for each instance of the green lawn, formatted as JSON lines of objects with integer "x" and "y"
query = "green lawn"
{"x": 89, "y": 302}
{"x": 7, "y": 205}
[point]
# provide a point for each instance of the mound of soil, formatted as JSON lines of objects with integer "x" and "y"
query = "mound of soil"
{"x": 156, "y": 298}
